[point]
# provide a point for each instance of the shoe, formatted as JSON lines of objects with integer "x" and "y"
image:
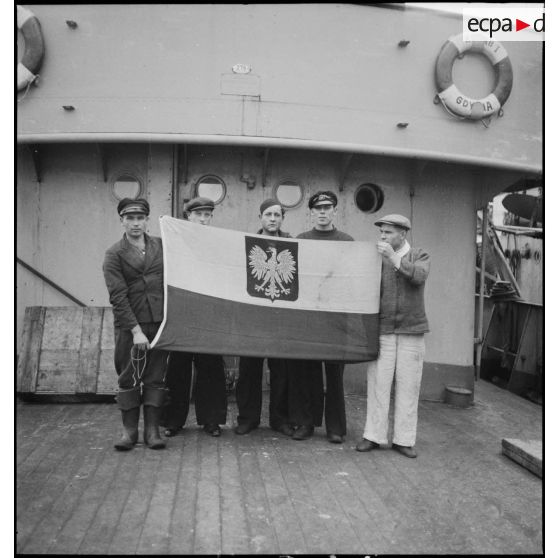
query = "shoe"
{"x": 334, "y": 438}
{"x": 172, "y": 431}
{"x": 244, "y": 428}
{"x": 151, "y": 418}
{"x": 285, "y": 429}
{"x": 366, "y": 445}
{"x": 407, "y": 451}
{"x": 129, "y": 437}
{"x": 303, "y": 433}
{"x": 212, "y": 429}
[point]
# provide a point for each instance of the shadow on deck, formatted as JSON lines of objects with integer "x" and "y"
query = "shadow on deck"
{"x": 266, "y": 494}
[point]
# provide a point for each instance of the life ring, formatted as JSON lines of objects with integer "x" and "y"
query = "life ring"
{"x": 32, "y": 58}
{"x": 449, "y": 94}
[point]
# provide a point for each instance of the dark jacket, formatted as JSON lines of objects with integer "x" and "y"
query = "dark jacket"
{"x": 135, "y": 282}
{"x": 402, "y": 294}
{"x": 333, "y": 234}
{"x": 281, "y": 234}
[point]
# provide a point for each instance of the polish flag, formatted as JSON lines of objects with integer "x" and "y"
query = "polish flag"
{"x": 232, "y": 293}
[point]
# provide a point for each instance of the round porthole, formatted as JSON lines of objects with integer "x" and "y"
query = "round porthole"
{"x": 369, "y": 198}
{"x": 289, "y": 193}
{"x": 126, "y": 185}
{"x": 212, "y": 187}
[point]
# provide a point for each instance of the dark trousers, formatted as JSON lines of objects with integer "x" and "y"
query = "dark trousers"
{"x": 309, "y": 397}
{"x": 335, "y": 417}
{"x": 210, "y": 395}
{"x": 139, "y": 368}
{"x": 249, "y": 391}
{"x": 307, "y": 392}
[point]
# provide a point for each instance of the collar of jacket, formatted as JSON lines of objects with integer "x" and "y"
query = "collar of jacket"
{"x": 404, "y": 250}
{"x": 133, "y": 258}
{"x": 281, "y": 233}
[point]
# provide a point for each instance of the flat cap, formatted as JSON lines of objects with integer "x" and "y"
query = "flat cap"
{"x": 270, "y": 202}
{"x": 200, "y": 203}
{"x": 395, "y": 220}
{"x": 129, "y": 205}
{"x": 322, "y": 198}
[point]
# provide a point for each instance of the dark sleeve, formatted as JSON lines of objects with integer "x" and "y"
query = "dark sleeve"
{"x": 117, "y": 287}
{"x": 416, "y": 268}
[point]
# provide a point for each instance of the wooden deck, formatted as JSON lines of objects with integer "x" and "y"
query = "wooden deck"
{"x": 266, "y": 494}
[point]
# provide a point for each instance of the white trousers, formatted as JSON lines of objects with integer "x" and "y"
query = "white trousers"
{"x": 401, "y": 356}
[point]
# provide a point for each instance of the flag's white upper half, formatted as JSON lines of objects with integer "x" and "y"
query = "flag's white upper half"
{"x": 333, "y": 276}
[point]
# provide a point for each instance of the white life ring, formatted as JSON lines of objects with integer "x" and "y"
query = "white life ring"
{"x": 32, "y": 58}
{"x": 449, "y": 94}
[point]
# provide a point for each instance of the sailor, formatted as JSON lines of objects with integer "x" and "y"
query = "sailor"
{"x": 403, "y": 324}
{"x": 133, "y": 271}
{"x": 310, "y": 396}
{"x": 210, "y": 391}
{"x": 249, "y": 384}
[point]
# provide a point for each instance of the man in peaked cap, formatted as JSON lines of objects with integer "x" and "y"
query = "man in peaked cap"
{"x": 403, "y": 324}
{"x": 250, "y": 369}
{"x": 133, "y": 271}
{"x": 210, "y": 392}
{"x": 310, "y": 395}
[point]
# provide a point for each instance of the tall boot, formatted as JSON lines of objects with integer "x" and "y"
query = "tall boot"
{"x": 129, "y": 401}
{"x": 130, "y": 419}
{"x": 151, "y": 418}
{"x": 153, "y": 400}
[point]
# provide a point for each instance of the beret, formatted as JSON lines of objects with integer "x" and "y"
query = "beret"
{"x": 395, "y": 220}
{"x": 320, "y": 198}
{"x": 129, "y": 205}
{"x": 269, "y": 203}
{"x": 200, "y": 203}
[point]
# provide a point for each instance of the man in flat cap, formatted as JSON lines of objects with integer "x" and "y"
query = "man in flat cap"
{"x": 403, "y": 324}
{"x": 210, "y": 390}
{"x": 310, "y": 396}
{"x": 249, "y": 385}
{"x": 133, "y": 271}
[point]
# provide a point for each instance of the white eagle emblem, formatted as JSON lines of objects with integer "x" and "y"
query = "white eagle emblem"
{"x": 277, "y": 271}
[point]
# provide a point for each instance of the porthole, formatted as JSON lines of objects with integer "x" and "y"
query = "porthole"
{"x": 369, "y": 198}
{"x": 212, "y": 187}
{"x": 126, "y": 185}
{"x": 289, "y": 193}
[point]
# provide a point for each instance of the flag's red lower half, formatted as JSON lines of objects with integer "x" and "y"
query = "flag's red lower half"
{"x": 206, "y": 324}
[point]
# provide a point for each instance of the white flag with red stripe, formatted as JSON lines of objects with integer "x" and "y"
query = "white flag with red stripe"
{"x": 232, "y": 293}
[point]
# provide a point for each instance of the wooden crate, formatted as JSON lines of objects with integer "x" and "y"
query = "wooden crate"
{"x": 528, "y": 453}
{"x": 67, "y": 351}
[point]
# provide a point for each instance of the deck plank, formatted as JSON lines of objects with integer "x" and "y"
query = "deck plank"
{"x": 271, "y": 518}
{"x": 182, "y": 526}
{"x": 234, "y": 527}
{"x": 265, "y": 494}
{"x": 207, "y": 539}
{"x": 132, "y": 519}
{"x": 57, "y": 484}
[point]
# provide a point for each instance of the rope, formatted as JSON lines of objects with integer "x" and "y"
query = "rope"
{"x": 449, "y": 111}
{"x": 136, "y": 363}
{"x": 27, "y": 88}
{"x": 485, "y": 121}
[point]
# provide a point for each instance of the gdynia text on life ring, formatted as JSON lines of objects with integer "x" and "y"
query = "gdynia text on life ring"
{"x": 32, "y": 58}
{"x": 449, "y": 94}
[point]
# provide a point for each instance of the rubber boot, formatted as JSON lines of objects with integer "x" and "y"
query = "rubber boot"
{"x": 129, "y": 401}
{"x": 130, "y": 419}
{"x": 153, "y": 400}
{"x": 151, "y": 436}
